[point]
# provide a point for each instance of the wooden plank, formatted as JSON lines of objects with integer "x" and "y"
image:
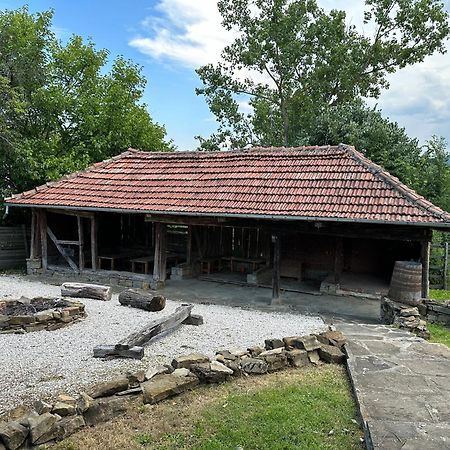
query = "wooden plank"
{"x": 43, "y": 234}
{"x": 80, "y": 243}
{"x": 70, "y": 212}
{"x": 66, "y": 242}
{"x": 425, "y": 257}
{"x": 94, "y": 246}
{"x": 33, "y": 235}
{"x": 276, "y": 268}
{"x": 159, "y": 265}
{"x": 185, "y": 220}
{"x": 61, "y": 250}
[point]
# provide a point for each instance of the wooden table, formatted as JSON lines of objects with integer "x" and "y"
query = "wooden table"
{"x": 254, "y": 262}
{"x": 207, "y": 265}
{"x": 146, "y": 260}
{"x": 113, "y": 258}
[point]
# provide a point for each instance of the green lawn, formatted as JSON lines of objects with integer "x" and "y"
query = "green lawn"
{"x": 308, "y": 409}
{"x": 439, "y": 334}
{"x": 439, "y": 294}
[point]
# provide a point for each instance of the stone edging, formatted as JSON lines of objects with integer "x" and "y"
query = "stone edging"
{"x": 49, "y": 422}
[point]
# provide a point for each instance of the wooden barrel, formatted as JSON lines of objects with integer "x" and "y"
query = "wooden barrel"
{"x": 406, "y": 282}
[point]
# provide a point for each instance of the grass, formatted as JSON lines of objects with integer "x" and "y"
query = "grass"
{"x": 439, "y": 333}
{"x": 439, "y": 294}
{"x": 295, "y": 409}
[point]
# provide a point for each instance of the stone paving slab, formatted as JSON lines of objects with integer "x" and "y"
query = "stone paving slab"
{"x": 402, "y": 386}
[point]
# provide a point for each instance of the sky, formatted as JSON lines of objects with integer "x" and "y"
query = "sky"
{"x": 171, "y": 38}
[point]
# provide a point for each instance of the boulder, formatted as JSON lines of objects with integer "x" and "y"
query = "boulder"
{"x": 214, "y": 372}
{"x": 13, "y": 434}
{"x": 273, "y": 343}
{"x": 42, "y": 428}
{"x": 314, "y": 356}
{"x": 107, "y": 388}
{"x": 187, "y": 361}
{"x": 165, "y": 386}
{"x": 308, "y": 343}
{"x": 42, "y": 407}
{"x": 331, "y": 354}
{"x": 335, "y": 338}
{"x": 254, "y": 366}
{"x": 276, "y": 359}
{"x": 298, "y": 358}
{"x": 194, "y": 319}
{"x": 68, "y": 426}
{"x": 84, "y": 402}
{"x": 64, "y": 409}
{"x": 226, "y": 355}
{"x": 104, "y": 409}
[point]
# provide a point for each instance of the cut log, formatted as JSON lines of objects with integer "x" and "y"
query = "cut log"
{"x": 81, "y": 290}
{"x": 132, "y": 346}
{"x": 142, "y": 300}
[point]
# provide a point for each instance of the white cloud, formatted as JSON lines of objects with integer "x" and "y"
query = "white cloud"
{"x": 189, "y": 34}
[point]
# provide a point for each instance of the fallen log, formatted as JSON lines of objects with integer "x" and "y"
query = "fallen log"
{"x": 132, "y": 345}
{"x": 142, "y": 300}
{"x": 81, "y": 290}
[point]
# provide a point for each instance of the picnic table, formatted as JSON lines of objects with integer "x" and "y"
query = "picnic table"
{"x": 146, "y": 260}
{"x": 255, "y": 263}
{"x": 114, "y": 257}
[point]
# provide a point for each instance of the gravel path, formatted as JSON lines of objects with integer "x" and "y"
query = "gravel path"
{"x": 46, "y": 363}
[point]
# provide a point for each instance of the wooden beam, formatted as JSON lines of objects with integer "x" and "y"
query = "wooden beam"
{"x": 33, "y": 235}
{"x": 80, "y": 243}
{"x": 43, "y": 234}
{"x": 189, "y": 246}
{"x": 276, "y": 269}
{"x": 425, "y": 257}
{"x": 185, "y": 220}
{"x": 338, "y": 259}
{"x": 94, "y": 245}
{"x": 65, "y": 242}
{"x": 61, "y": 250}
{"x": 70, "y": 212}
{"x": 159, "y": 265}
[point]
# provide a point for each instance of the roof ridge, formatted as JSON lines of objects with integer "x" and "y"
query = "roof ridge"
{"x": 410, "y": 194}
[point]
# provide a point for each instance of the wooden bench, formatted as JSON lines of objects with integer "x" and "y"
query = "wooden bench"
{"x": 146, "y": 260}
{"x": 255, "y": 263}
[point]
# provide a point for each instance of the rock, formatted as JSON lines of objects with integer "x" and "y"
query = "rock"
{"x": 42, "y": 429}
{"x": 314, "y": 356}
{"x": 409, "y": 311}
{"x": 273, "y": 343}
{"x": 13, "y": 434}
{"x": 187, "y": 360}
{"x": 254, "y": 366}
{"x": 68, "y": 426}
{"x": 275, "y": 351}
{"x": 104, "y": 409}
{"x": 335, "y": 338}
{"x": 108, "y": 388}
{"x": 133, "y": 391}
{"x": 136, "y": 378}
{"x": 64, "y": 398}
{"x": 226, "y": 355}
{"x": 214, "y": 372}
{"x": 44, "y": 316}
{"x": 84, "y": 402}
{"x": 308, "y": 343}
{"x": 255, "y": 350}
{"x": 331, "y": 354}
{"x": 194, "y": 319}
{"x": 217, "y": 366}
{"x": 25, "y": 420}
{"x": 158, "y": 370}
{"x": 234, "y": 366}
{"x": 166, "y": 386}
{"x": 181, "y": 372}
{"x": 276, "y": 359}
{"x": 64, "y": 409}
{"x": 238, "y": 352}
{"x": 298, "y": 358}
{"x": 42, "y": 407}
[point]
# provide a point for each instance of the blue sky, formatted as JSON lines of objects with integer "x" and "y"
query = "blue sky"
{"x": 169, "y": 38}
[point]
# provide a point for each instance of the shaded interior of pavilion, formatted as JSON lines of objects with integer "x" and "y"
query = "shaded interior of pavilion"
{"x": 226, "y": 252}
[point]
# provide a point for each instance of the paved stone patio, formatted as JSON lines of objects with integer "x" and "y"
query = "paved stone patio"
{"x": 402, "y": 384}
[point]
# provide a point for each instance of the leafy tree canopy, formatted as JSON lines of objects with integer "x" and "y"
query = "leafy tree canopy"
{"x": 60, "y": 109}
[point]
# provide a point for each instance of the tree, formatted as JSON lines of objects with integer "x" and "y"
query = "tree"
{"x": 292, "y": 60}
{"x": 60, "y": 110}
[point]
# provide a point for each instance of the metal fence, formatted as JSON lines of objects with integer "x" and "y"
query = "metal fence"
{"x": 439, "y": 270}
{"x": 13, "y": 247}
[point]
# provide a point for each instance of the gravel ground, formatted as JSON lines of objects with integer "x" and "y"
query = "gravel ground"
{"x": 45, "y": 363}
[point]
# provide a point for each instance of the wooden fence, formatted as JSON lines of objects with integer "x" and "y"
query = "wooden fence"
{"x": 13, "y": 247}
{"x": 439, "y": 270}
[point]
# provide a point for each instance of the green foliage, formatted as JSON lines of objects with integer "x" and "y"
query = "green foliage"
{"x": 439, "y": 294}
{"x": 292, "y": 60}
{"x": 60, "y": 109}
{"x": 439, "y": 334}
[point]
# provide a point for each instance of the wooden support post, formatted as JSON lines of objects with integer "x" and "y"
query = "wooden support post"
{"x": 33, "y": 235}
{"x": 425, "y": 257}
{"x": 159, "y": 268}
{"x": 43, "y": 235}
{"x": 80, "y": 243}
{"x": 94, "y": 245}
{"x": 276, "y": 269}
{"x": 189, "y": 246}
{"x": 61, "y": 250}
{"x": 338, "y": 260}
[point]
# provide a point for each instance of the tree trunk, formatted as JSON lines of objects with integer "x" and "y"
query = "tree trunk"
{"x": 81, "y": 290}
{"x": 142, "y": 300}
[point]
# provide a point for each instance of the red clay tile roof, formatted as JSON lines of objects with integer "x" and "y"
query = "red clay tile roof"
{"x": 328, "y": 183}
